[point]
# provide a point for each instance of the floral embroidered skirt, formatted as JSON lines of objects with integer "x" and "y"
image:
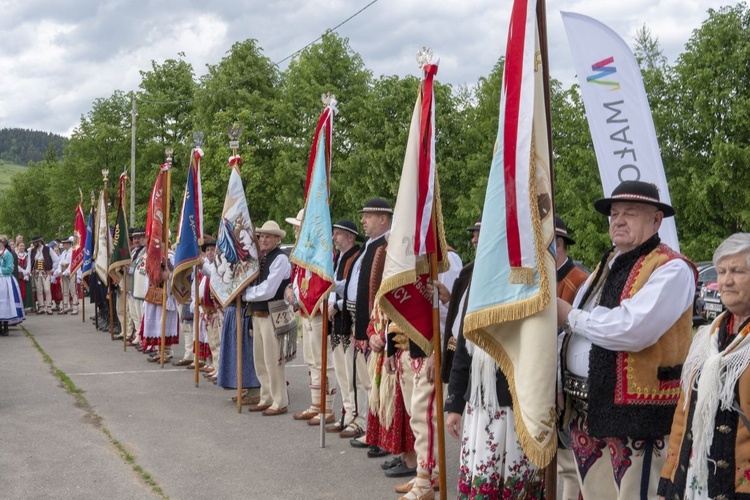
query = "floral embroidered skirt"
{"x": 493, "y": 465}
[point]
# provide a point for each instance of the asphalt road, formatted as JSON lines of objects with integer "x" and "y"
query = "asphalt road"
{"x": 189, "y": 441}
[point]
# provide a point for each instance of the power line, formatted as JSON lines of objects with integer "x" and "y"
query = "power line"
{"x": 277, "y": 63}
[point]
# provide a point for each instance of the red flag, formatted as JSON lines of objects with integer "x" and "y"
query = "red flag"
{"x": 155, "y": 228}
{"x": 79, "y": 232}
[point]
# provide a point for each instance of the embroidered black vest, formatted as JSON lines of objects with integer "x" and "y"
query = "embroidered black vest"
{"x": 341, "y": 327}
{"x": 363, "y": 307}
{"x": 265, "y": 268}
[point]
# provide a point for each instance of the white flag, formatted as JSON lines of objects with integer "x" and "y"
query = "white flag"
{"x": 617, "y": 110}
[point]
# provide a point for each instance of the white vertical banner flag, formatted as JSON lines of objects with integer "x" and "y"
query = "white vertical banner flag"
{"x": 617, "y": 111}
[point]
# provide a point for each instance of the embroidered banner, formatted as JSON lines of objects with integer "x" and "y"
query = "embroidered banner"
{"x": 511, "y": 311}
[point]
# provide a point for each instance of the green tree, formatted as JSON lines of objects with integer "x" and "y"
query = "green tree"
{"x": 710, "y": 132}
{"x": 242, "y": 88}
{"x": 165, "y": 119}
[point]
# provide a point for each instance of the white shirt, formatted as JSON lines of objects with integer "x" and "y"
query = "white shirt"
{"x": 280, "y": 270}
{"x": 39, "y": 255}
{"x": 336, "y": 296}
{"x": 65, "y": 256}
{"x": 637, "y": 323}
{"x": 448, "y": 278}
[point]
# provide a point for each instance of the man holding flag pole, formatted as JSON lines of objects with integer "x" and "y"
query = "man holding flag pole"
{"x": 417, "y": 252}
{"x": 88, "y": 260}
{"x": 120, "y": 258}
{"x": 313, "y": 254}
{"x": 76, "y": 259}
{"x": 188, "y": 248}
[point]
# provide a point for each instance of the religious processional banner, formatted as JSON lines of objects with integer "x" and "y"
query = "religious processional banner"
{"x": 237, "y": 256}
{"x": 88, "y": 249}
{"x": 155, "y": 227}
{"x": 417, "y": 229}
{"x": 121, "y": 251}
{"x": 79, "y": 235}
{"x": 511, "y": 311}
{"x": 313, "y": 250}
{"x": 190, "y": 232}
{"x": 103, "y": 240}
{"x": 617, "y": 110}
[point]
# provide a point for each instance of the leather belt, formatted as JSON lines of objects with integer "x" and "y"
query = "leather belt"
{"x": 578, "y": 389}
{"x": 261, "y": 314}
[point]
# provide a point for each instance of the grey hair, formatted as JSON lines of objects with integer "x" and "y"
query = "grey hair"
{"x": 736, "y": 244}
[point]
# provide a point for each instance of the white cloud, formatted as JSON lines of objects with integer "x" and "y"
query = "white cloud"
{"x": 58, "y": 56}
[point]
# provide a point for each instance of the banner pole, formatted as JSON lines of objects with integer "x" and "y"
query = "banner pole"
{"x": 238, "y": 317}
{"x": 436, "y": 347}
{"x": 550, "y": 472}
{"x": 124, "y": 291}
{"x": 196, "y": 329}
{"x": 109, "y": 280}
{"x": 165, "y": 255}
{"x": 324, "y": 374}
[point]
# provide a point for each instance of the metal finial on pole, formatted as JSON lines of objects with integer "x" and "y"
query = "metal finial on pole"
{"x": 424, "y": 56}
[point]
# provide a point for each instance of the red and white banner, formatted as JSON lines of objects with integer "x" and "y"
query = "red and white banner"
{"x": 155, "y": 227}
{"x": 79, "y": 234}
{"x": 617, "y": 111}
{"x": 403, "y": 292}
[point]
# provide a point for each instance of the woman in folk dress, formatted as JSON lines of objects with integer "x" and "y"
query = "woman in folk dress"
{"x": 11, "y": 307}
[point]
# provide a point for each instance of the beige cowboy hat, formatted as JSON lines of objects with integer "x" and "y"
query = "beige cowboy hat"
{"x": 270, "y": 227}
{"x": 296, "y": 221}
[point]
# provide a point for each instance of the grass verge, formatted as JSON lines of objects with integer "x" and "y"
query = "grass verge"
{"x": 96, "y": 419}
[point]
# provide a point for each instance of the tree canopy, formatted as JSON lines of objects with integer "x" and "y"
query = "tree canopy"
{"x": 699, "y": 107}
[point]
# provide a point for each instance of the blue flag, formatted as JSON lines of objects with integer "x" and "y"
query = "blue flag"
{"x": 189, "y": 237}
{"x": 313, "y": 251}
{"x": 88, "y": 250}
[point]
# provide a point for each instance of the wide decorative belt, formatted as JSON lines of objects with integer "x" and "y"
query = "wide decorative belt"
{"x": 261, "y": 314}
{"x": 351, "y": 307}
{"x": 578, "y": 389}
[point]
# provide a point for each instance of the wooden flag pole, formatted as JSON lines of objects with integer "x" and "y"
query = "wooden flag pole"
{"x": 550, "y": 472}
{"x": 108, "y": 279}
{"x": 83, "y": 302}
{"x": 196, "y": 329}
{"x": 165, "y": 255}
{"x": 124, "y": 292}
{"x": 238, "y": 317}
{"x": 436, "y": 352}
{"x": 324, "y": 374}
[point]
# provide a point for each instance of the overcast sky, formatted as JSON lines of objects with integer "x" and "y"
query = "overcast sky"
{"x": 58, "y": 56}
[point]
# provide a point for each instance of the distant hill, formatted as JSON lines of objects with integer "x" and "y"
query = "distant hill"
{"x": 6, "y": 172}
{"x": 21, "y": 146}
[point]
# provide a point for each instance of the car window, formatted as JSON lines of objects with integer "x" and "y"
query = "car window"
{"x": 708, "y": 275}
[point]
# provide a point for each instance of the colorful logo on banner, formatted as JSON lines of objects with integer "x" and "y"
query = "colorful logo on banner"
{"x": 604, "y": 70}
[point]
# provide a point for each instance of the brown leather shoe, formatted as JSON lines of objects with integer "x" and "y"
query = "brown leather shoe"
{"x": 270, "y": 412}
{"x": 352, "y": 431}
{"x": 405, "y": 487}
{"x": 250, "y": 401}
{"x": 316, "y": 419}
{"x": 336, "y": 427}
{"x": 306, "y": 415}
{"x": 182, "y": 362}
{"x": 258, "y": 407}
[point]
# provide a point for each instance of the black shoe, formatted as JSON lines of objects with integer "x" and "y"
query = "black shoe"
{"x": 401, "y": 470}
{"x": 356, "y": 443}
{"x": 389, "y": 464}
{"x": 377, "y": 452}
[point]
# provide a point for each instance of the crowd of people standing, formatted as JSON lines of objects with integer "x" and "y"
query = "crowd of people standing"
{"x": 646, "y": 410}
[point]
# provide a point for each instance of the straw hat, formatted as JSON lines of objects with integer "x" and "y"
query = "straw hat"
{"x": 270, "y": 227}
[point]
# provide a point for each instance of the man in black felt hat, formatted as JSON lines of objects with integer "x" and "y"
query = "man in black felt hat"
{"x": 40, "y": 265}
{"x": 359, "y": 298}
{"x": 345, "y": 238}
{"x": 626, "y": 338}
